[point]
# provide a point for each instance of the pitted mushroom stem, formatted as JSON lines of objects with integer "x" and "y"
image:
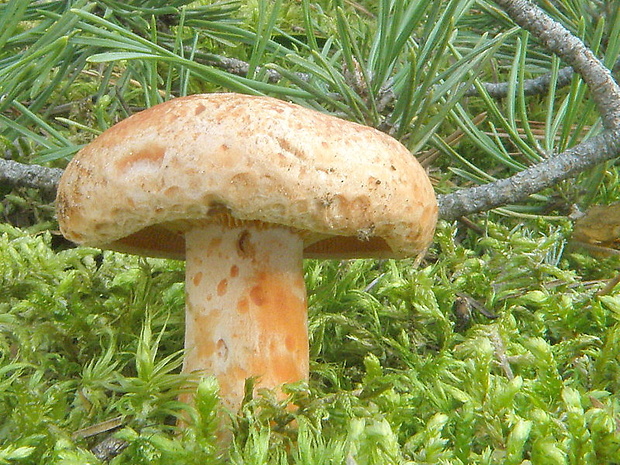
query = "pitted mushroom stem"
{"x": 246, "y": 311}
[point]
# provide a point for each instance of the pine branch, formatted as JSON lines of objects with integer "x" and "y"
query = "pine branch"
{"x": 535, "y": 86}
{"x": 531, "y": 180}
{"x": 558, "y": 40}
{"x": 15, "y": 174}
{"x": 240, "y": 67}
{"x": 605, "y": 93}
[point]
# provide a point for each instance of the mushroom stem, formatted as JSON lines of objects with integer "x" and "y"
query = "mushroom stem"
{"x": 246, "y": 310}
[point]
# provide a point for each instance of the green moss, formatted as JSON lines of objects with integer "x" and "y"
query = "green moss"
{"x": 87, "y": 337}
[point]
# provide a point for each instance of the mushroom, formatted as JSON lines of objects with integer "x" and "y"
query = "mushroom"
{"x": 243, "y": 188}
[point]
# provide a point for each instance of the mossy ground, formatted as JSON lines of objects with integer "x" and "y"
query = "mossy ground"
{"x": 404, "y": 368}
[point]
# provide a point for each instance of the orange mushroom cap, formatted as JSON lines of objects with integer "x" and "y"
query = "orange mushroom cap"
{"x": 350, "y": 190}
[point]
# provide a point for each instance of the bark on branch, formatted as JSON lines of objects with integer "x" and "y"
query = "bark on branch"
{"x": 15, "y": 174}
{"x": 534, "y": 86}
{"x": 531, "y": 180}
